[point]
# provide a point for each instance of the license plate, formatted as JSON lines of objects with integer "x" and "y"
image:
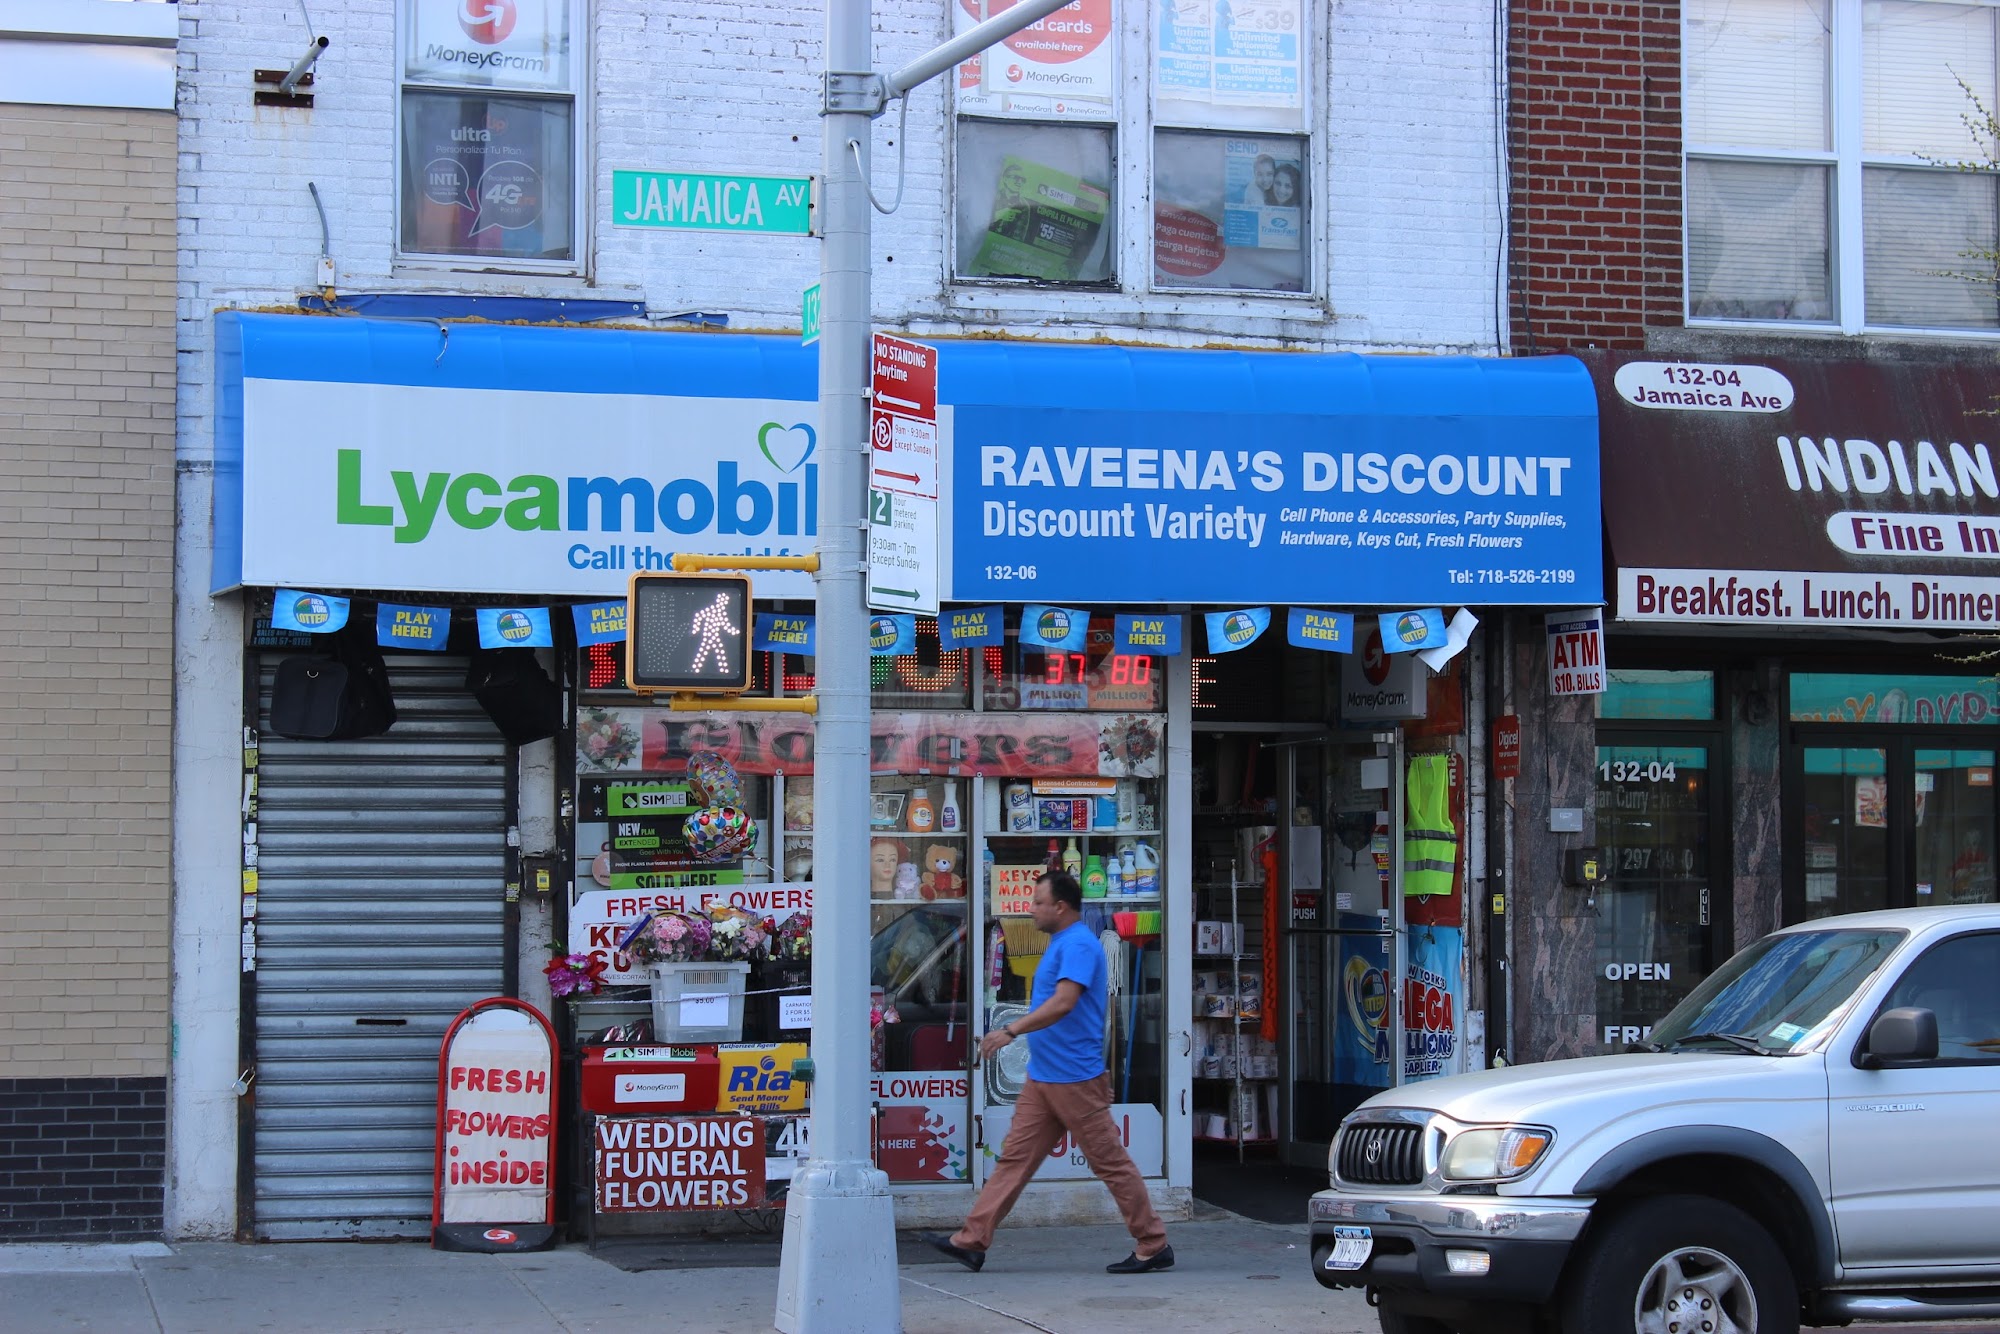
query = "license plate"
{"x": 1351, "y": 1247}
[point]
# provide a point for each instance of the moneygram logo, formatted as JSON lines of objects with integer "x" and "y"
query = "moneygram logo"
{"x": 1014, "y": 73}
{"x": 1374, "y": 661}
{"x": 488, "y": 22}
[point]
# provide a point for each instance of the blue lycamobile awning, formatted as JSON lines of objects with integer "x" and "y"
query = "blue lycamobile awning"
{"x": 358, "y": 453}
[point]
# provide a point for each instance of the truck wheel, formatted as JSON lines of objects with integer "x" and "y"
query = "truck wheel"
{"x": 1680, "y": 1264}
{"x": 1395, "y": 1321}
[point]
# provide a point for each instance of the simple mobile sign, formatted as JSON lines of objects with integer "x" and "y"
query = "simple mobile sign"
{"x": 713, "y": 202}
{"x": 1576, "y": 651}
{"x": 493, "y": 1183}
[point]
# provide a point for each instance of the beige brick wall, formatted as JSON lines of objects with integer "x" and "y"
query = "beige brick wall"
{"x": 87, "y": 271}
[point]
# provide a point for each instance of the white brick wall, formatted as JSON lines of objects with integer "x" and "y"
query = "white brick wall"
{"x": 1406, "y": 112}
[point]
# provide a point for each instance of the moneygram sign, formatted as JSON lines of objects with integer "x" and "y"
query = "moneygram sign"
{"x": 469, "y": 488}
{"x": 497, "y": 43}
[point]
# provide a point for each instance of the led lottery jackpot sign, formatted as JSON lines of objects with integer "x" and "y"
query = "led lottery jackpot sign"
{"x": 689, "y": 632}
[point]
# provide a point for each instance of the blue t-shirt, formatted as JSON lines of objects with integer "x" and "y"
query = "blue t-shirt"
{"x": 1070, "y": 1050}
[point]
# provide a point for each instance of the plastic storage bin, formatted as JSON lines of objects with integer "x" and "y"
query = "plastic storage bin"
{"x": 690, "y": 1000}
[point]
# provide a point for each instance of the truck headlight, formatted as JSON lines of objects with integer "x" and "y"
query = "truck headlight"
{"x": 1496, "y": 1154}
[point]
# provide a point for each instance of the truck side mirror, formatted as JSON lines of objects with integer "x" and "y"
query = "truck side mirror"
{"x": 1906, "y": 1033}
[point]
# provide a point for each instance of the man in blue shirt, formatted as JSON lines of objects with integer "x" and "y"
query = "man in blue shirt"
{"x": 1068, "y": 1090}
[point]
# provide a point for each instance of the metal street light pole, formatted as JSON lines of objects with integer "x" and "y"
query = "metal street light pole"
{"x": 838, "y": 1269}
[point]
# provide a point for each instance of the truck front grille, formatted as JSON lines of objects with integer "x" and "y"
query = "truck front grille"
{"x": 1382, "y": 1155}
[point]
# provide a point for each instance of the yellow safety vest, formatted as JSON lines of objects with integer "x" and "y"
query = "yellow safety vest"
{"x": 1430, "y": 844}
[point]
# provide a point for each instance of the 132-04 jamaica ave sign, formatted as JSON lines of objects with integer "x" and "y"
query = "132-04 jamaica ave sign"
{"x": 1859, "y": 492}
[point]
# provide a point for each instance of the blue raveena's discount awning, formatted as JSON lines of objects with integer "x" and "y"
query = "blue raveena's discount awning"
{"x": 389, "y": 454}
{"x": 1103, "y": 474}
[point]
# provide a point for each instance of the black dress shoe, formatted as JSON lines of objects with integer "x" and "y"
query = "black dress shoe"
{"x": 972, "y": 1260}
{"x": 1152, "y": 1264}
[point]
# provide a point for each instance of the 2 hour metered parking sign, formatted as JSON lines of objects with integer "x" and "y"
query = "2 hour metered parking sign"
{"x": 494, "y": 1180}
{"x": 688, "y": 632}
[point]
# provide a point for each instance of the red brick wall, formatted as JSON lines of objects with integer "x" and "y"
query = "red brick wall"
{"x": 1594, "y": 127}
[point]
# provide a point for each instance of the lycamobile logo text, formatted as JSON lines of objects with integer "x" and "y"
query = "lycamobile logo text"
{"x": 723, "y": 502}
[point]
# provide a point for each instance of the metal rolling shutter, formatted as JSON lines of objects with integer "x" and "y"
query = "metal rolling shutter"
{"x": 381, "y": 873}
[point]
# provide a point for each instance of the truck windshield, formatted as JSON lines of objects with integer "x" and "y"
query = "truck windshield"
{"x": 1771, "y": 996}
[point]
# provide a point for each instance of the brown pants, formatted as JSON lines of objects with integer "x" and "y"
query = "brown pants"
{"x": 1041, "y": 1115}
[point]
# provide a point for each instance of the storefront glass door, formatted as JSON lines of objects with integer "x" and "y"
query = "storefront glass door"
{"x": 1889, "y": 791}
{"x": 1902, "y": 824}
{"x": 1655, "y": 915}
{"x": 1342, "y": 1032}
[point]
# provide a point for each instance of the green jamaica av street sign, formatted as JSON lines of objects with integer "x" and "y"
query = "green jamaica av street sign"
{"x": 713, "y": 202}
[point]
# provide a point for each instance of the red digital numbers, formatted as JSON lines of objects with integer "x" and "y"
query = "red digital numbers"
{"x": 1131, "y": 669}
{"x": 1058, "y": 668}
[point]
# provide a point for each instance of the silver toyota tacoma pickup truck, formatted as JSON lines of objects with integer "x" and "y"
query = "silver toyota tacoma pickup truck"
{"x": 1811, "y": 1138}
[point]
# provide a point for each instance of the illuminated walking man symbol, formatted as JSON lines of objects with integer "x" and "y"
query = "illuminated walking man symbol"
{"x": 712, "y": 623}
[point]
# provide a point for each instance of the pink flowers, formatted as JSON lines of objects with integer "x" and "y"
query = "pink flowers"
{"x": 575, "y": 975}
{"x": 669, "y": 937}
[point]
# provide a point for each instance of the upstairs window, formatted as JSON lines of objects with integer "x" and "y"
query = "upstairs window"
{"x": 489, "y": 133}
{"x": 1828, "y": 147}
{"x": 1048, "y": 126}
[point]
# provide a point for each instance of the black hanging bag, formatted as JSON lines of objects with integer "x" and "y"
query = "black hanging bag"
{"x": 306, "y": 695}
{"x": 516, "y": 693}
{"x": 340, "y": 695}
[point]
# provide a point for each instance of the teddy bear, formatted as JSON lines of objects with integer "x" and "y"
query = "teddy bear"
{"x": 941, "y": 879}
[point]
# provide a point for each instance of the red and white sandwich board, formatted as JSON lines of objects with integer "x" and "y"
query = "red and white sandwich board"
{"x": 494, "y": 1185}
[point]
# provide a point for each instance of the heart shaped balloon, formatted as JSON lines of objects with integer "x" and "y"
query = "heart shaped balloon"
{"x": 719, "y": 833}
{"x": 712, "y": 780}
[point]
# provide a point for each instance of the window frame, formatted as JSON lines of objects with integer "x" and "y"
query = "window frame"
{"x": 583, "y": 172}
{"x": 1848, "y": 159}
{"x": 1133, "y": 119}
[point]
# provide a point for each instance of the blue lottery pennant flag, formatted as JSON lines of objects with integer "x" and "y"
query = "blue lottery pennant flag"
{"x": 514, "y": 627}
{"x": 307, "y": 613}
{"x": 1328, "y": 631}
{"x": 1158, "y": 635}
{"x": 1232, "y": 630}
{"x": 791, "y": 632}
{"x": 890, "y": 634}
{"x": 1055, "y": 627}
{"x": 599, "y": 622}
{"x": 398, "y": 626}
{"x": 1407, "y": 631}
{"x": 969, "y": 627}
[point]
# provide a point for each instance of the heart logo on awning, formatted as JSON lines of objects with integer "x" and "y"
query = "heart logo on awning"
{"x": 780, "y": 442}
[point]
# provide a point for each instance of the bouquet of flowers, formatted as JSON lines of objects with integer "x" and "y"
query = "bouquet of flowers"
{"x": 669, "y": 937}
{"x": 793, "y": 940}
{"x": 606, "y": 741}
{"x": 575, "y": 974}
{"x": 736, "y": 934}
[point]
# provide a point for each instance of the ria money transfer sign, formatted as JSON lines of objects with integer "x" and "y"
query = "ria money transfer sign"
{"x": 1138, "y": 475}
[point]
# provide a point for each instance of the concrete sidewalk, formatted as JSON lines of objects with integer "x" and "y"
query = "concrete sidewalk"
{"x": 1233, "y": 1276}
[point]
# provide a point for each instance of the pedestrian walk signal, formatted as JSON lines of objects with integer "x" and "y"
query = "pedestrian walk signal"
{"x": 688, "y": 632}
